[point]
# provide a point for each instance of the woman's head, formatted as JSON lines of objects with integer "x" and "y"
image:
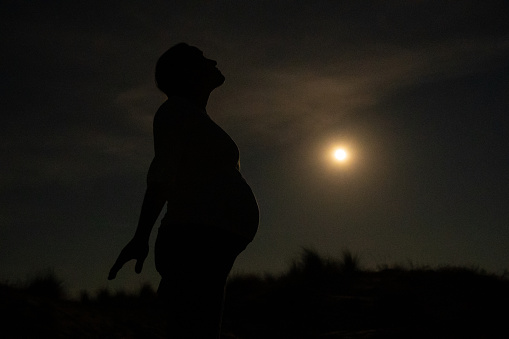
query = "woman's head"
{"x": 183, "y": 69}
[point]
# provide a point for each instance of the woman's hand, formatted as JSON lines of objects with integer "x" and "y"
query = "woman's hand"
{"x": 135, "y": 249}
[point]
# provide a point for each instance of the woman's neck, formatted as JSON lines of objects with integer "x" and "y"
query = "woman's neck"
{"x": 199, "y": 99}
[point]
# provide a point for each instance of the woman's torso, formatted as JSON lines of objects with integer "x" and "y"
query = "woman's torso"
{"x": 208, "y": 187}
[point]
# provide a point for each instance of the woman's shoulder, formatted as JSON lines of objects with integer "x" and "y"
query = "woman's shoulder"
{"x": 170, "y": 109}
{"x": 176, "y": 110}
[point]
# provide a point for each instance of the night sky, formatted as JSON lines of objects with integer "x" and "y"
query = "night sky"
{"x": 417, "y": 93}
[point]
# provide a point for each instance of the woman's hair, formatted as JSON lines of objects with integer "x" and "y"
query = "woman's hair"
{"x": 174, "y": 66}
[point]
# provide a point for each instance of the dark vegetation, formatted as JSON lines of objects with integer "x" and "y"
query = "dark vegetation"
{"x": 315, "y": 298}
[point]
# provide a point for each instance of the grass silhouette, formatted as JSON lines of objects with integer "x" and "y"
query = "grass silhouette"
{"x": 316, "y": 297}
{"x": 46, "y": 284}
{"x": 323, "y": 298}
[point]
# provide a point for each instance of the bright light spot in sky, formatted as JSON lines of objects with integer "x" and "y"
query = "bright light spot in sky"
{"x": 340, "y": 154}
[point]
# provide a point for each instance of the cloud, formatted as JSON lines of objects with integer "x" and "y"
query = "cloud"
{"x": 80, "y": 83}
{"x": 283, "y": 103}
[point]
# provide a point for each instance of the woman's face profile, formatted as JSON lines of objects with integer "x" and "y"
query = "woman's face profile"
{"x": 204, "y": 70}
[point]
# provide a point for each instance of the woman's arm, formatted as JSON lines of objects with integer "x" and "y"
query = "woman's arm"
{"x": 161, "y": 179}
{"x": 153, "y": 203}
{"x": 137, "y": 248}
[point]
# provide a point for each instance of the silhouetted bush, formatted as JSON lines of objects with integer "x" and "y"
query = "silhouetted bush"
{"x": 146, "y": 292}
{"x": 309, "y": 266}
{"x": 350, "y": 263}
{"x": 336, "y": 298}
{"x": 84, "y": 296}
{"x": 103, "y": 295}
{"x": 46, "y": 284}
{"x": 317, "y": 297}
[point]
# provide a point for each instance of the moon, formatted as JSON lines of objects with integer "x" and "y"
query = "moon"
{"x": 340, "y": 154}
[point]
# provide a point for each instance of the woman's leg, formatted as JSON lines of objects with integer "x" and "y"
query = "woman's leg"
{"x": 194, "y": 263}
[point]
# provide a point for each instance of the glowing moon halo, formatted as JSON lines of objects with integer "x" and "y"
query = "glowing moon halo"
{"x": 340, "y": 154}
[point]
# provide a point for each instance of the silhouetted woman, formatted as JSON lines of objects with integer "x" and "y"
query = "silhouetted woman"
{"x": 212, "y": 214}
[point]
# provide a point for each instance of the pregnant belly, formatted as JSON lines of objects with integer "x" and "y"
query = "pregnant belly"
{"x": 226, "y": 202}
{"x": 241, "y": 210}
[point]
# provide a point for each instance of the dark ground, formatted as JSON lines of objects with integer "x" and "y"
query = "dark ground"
{"x": 316, "y": 298}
